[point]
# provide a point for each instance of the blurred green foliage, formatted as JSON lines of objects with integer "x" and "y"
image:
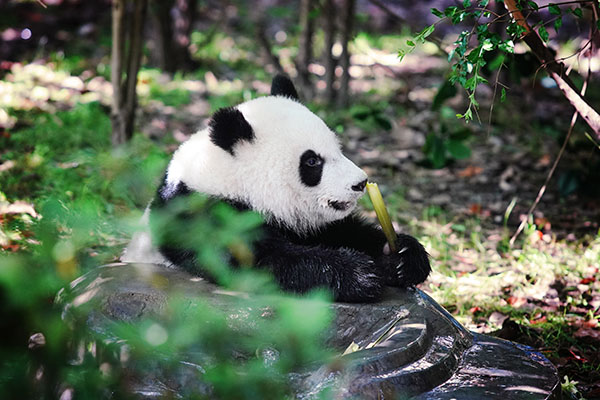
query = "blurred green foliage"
{"x": 448, "y": 141}
{"x": 87, "y": 195}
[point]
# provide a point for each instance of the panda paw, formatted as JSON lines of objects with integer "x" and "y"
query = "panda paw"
{"x": 409, "y": 266}
{"x": 359, "y": 281}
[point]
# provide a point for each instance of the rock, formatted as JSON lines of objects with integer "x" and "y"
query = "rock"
{"x": 409, "y": 346}
{"x": 440, "y": 199}
{"x": 414, "y": 194}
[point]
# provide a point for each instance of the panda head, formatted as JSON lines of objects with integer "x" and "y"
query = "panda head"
{"x": 274, "y": 155}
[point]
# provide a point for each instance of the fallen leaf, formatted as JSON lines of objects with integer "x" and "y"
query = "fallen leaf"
{"x": 475, "y": 208}
{"x": 470, "y": 171}
{"x": 539, "y": 320}
{"x": 544, "y": 161}
{"x": 516, "y": 301}
{"x": 572, "y": 350}
{"x": 475, "y": 309}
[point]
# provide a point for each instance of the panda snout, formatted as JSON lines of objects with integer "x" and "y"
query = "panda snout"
{"x": 360, "y": 186}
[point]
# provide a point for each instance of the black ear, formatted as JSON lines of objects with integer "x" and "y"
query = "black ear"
{"x": 283, "y": 86}
{"x": 227, "y": 127}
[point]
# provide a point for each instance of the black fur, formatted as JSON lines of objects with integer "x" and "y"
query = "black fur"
{"x": 345, "y": 257}
{"x": 311, "y": 168}
{"x": 166, "y": 235}
{"x": 283, "y": 86}
{"x": 227, "y": 127}
{"x": 168, "y": 191}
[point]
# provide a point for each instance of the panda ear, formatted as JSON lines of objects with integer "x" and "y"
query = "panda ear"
{"x": 283, "y": 86}
{"x": 227, "y": 127}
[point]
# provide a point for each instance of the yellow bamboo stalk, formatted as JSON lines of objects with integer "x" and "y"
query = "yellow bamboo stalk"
{"x": 382, "y": 215}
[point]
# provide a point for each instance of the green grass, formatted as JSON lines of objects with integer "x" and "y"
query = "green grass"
{"x": 65, "y": 161}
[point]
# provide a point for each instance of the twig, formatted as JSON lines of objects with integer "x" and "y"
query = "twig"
{"x": 494, "y": 96}
{"x": 587, "y": 135}
{"x": 560, "y": 153}
{"x": 41, "y": 3}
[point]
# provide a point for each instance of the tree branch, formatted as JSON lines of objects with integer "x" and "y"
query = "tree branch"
{"x": 555, "y": 69}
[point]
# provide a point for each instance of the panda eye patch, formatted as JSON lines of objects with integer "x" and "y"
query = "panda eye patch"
{"x": 311, "y": 168}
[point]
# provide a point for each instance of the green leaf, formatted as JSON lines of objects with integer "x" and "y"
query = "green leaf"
{"x": 468, "y": 115}
{"x": 466, "y": 3}
{"x": 554, "y": 9}
{"x": 557, "y": 24}
{"x": 484, "y": 3}
{"x": 497, "y": 62}
{"x": 401, "y": 54}
{"x": 437, "y": 13}
{"x": 410, "y": 43}
{"x": 360, "y": 111}
{"x": 507, "y": 46}
{"x": 532, "y": 4}
{"x": 435, "y": 150}
{"x": 543, "y": 33}
{"x": 450, "y": 11}
{"x": 446, "y": 91}
{"x": 461, "y": 134}
{"x": 487, "y": 45}
{"x": 383, "y": 122}
{"x": 421, "y": 36}
{"x": 458, "y": 149}
{"x": 577, "y": 12}
{"x": 502, "y": 95}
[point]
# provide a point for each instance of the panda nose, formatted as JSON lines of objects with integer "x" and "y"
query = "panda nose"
{"x": 359, "y": 187}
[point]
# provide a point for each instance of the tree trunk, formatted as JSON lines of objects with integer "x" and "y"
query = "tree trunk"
{"x": 258, "y": 15}
{"x": 124, "y": 94}
{"x": 165, "y": 51}
{"x": 173, "y": 20}
{"x": 118, "y": 48}
{"x": 329, "y": 61}
{"x": 305, "y": 48}
{"x": 347, "y": 14}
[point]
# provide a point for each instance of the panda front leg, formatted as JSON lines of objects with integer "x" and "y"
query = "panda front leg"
{"x": 408, "y": 266}
{"x": 352, "y": 276}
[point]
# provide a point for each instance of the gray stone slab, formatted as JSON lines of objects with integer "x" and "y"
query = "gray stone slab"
{"x": 411, "y": 347}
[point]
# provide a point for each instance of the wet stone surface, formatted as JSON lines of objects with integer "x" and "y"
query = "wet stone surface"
{"x": 412, "y": 348}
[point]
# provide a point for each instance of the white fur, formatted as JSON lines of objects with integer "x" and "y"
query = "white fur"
{"x": 265, "y": 172}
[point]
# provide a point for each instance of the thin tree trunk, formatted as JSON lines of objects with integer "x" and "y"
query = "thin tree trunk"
{"x": 263, "y": 40}
{"x": 305, "y": 48}
{"x": 330, "y": 62}
{"x": 174, "y": 20}
{"x": 124, "y": 94}
{"x": 134, "y": 61}
{"x": 165, "y": 51}
{"x": 346, "y": 34}
{"x": 556, "y": 69}
{"x": 118, "y": 49}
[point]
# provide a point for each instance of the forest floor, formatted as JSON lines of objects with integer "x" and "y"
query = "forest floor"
{"x": 543, "y": 291}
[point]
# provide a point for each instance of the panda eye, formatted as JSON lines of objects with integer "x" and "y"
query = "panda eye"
{"x": 314, "y": 161}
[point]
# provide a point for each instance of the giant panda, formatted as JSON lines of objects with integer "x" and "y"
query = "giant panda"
{"x": 274, "y": 156}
